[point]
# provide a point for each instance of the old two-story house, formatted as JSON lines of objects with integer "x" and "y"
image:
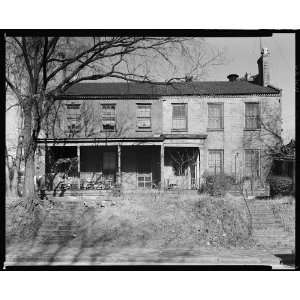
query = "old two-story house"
{"x": 143, "y": 135}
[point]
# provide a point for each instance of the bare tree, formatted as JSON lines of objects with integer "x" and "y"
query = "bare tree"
{"x": 182, "y": 159}
{"x": 41, "y": 68}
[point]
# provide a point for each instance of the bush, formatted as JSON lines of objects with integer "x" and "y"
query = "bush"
{"x": 223, "y": 224}
{"x": 216, "y": 185}
{"x": 280, "y": 185}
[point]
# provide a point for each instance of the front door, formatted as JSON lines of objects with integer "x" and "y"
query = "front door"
{"x": 109, "y": 167}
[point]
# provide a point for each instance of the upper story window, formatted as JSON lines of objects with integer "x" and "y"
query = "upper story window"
{"x": 252, "y": 116}
{"x": 215, "y": 116}
{"x": 252, "y": 163}
{"x": 179, "y": 117}
{"x": 143, "y": 116}
{"x": 215, "y": 161}
{"x": 73, "y": 118}
{"x": 108, "y": 117}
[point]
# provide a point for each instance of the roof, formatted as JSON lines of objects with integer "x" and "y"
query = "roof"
{"x": 124, "y": 89}
{"x": 184, "y": 136}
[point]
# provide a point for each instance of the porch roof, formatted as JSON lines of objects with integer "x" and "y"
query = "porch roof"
{"x": 154, "y": 140}
{"x": 102, "y": 141}
{"x": 184, "y": 136}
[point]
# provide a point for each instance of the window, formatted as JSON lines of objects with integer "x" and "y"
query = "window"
{"x": 73, "y": 106}
{"x": 215, "y": 115}
{"x": 252, "y": 116}
{"x": 215, "y": 161}
{"x": 252, "y": 163}
{"x": 73, "y": 118}
{"x": 179, "y": 117}
{"x": 144, "y": 173}
{"x": 108, "y": 117}
{"x": 143, "y": 117}
{"x": 144, "y": 181}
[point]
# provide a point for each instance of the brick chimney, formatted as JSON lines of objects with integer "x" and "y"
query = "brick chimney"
{"x": 264, "y": 67}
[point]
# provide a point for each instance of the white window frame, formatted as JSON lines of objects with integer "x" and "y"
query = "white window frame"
{"x": 221, "y": 151}
{"x": 259, "y": 161}
{"x": 221, "y": 105}
{"x": 73, "y": 113}
{"x": 258, "y": 127}
{"x": 185, "y": 117}
{"x": 139, "y": 117}
{"x": 109, "y": 118}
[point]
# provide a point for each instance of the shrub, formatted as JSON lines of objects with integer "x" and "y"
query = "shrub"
{"x": 216, "y": 185}
{"x": 223, "y": 224}
{"x": 280, "y": 185}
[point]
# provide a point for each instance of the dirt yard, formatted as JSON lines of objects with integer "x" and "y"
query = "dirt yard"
{"x": 144, "y": 226}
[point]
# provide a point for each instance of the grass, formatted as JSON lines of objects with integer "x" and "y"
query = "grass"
{"x": 283, "y": 207}
{"x": 150, "y": 221}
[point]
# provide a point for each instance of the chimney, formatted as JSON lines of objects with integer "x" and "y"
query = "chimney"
{"x": 264, "y": 67}
{"x": 232, "y": 77}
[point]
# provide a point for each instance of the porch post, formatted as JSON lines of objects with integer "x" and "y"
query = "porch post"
{"x": 119, "y": 165}
{"x": 202, "y": 162}
{"x": 78, "y": 159}
{"x": 162, "y": 164}
{"x": 78, "y": 165}
{"x": 197, "y": 181}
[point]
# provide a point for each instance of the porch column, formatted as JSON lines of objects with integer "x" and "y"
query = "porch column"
{"x": 78, "y": 159}
{"x": 198, "y": 169}
{"x": 119, "y": 165}
{"x": 202, "y": 162}
{"x": 162, "y": 165}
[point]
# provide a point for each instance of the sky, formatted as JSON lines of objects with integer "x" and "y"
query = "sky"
{"x": 241, "y": 57}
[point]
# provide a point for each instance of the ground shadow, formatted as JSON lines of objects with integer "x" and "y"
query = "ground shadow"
{"x": 287, "y": 259}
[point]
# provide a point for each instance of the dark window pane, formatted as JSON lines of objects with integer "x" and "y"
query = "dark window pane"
{"x": 252, "y": 115}
{"x": 252, "y": 163}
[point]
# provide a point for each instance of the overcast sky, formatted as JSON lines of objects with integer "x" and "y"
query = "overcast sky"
{"x": 242, "y": 55}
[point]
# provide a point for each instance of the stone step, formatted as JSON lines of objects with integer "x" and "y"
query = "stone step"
{"x": 60, "y": 231}
{"x": 273, "y": 233}
{"x": 283, "y": 238}
{"x": 271, "y": 224}
{"x": 267, "y": 220}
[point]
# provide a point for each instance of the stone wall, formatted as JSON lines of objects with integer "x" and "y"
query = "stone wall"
{"x": 126, "y": 121}
{"x": 234, "y": 139}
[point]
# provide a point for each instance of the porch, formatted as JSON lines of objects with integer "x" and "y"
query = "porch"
{"x": 155, "y": 165}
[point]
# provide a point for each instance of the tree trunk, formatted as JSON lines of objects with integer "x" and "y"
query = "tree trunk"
{"x": 18, "y": 166}
{"x": 29, "y": 150}
{"x": 28, "y": 178}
